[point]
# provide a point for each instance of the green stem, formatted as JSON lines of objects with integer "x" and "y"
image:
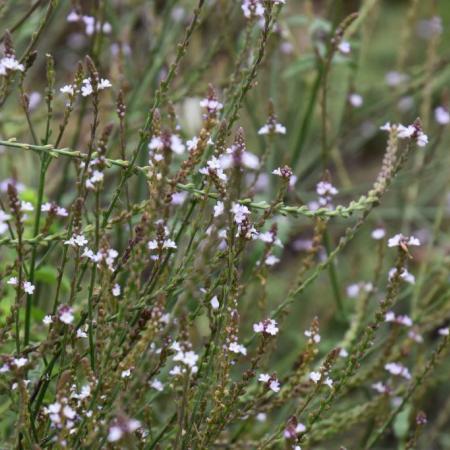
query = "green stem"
{"x": 45, "y": 160}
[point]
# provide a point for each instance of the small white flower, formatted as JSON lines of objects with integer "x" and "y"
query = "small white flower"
{"x": 77, "y": 240}
{"x": 191, "y": 144}
{"x": 398, "y": 369}
{"x": 237, "y": 348}
{"x": 315, "y": 377}
{"x": 389, "y": 316}
{"x": 54, "y": 408}
{"x": 81, "y": 334}
{"x": 442, "y": 115}
{"x": 47, "y": 320}
{"x": 13, "y": 281}
{"x": 152, "y": 245}
{"x": 443, "y": 331}
{"x": 271, "y": 260}
{"x": 103, "y": 84}
{"x": 125, "y": 373}
{"x": 240, "y": 213}
{"x": 26, "y": 206}
{"x": 353, "y": 290}
{"x": 157, "y": 385}
{"x": 115, "y": 433}
{"x": 67, "y": 89}
{"x": 268, "y": 326}
{"x": 86, "y": 88}
{"x": 175, "y": 371}
{"x": 356, "y": 100}
{"x": 215, "y": 302}
{"x": 345, "y": 47}
{"x": 405, "y": 132}
{"x": 274, "y": 385}
{"x": 261, "y": 417}
{"x": 378, "y": 233}
{"x": 178, "y": 198}
{"x": 343, "y": 353}
{"x": 404, "y": 275}
{"x": 399, "y": 240}
{"x": 272, "y": 128}
{"x": 264, "y": 377}
{"x": 404, "y": 320}
{"x": 313, "y": 336}
{"x": 211, "y": 104}
{"x": 329, "y": 382}
{"x": 169, "y": 243}
{"x": 10, "y": 63}
{"x": 19, "y": 362}
{"x": 73, "y": 16}
{"x": 252, "y": 8}
{"x": 116, "y": 290}
{"x": 69, "y": 412}
{"x": 324, "y": 188}
{"x": 65, "y": 314}
{"x": 176, "y": 145}
{"x": 156, "y": 143}
{"x": 218, "y": 209}
{"x": 28, "y": 287}
{"x": 215, "y": 166}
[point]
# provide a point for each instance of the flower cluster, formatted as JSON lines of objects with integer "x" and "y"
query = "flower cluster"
{"x": 27, "y": 286}
{"x": 187, "y": 358}
{"x": 398, "y": 370}
{"x": 241, "y": 218}
{"x": 9, "y": 64}
{"x": 271, "y": 381}
{"x": 400, "y": 319}
{"x": 413, "y": 132}
{"x": 91, "y": 24}
{"x": 267, "y": 327}
{"x": 162, "y": 241}
{"x": 87, "y": 87}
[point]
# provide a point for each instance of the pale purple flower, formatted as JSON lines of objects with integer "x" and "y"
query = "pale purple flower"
{"x": 237, "y": 348}
{"x": 442, "y": 115}
{"x": 65, "y": 314}
{"x": 378, "y": 234}
{"x": 268, "y": 326}
{"x": 28, "y": 287}
{"x": 345, "y": 47}
{"x": 398, "y": 370}
{"x": 356, "y": 100}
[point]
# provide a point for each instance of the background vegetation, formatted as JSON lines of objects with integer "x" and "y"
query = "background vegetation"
{"x": 289, "y": 64}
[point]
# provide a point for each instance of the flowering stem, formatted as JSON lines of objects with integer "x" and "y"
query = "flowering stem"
{"x": 45, "y": 161}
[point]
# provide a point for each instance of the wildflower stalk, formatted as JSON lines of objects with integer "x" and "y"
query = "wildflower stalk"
{"x": 159, "y": 96}
{"x": 416, "y": 382}
{"x": 45, "y": 162}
